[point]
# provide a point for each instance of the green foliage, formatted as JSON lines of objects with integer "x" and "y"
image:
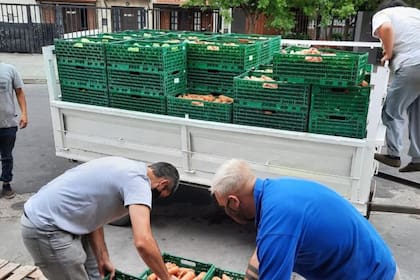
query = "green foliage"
{"x": 298, "y": 36}
{"x": 279, "y": 12}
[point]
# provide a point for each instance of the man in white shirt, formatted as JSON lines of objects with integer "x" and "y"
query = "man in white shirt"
{"x": 398, "y": 26}
{"x": 11, "y": 85}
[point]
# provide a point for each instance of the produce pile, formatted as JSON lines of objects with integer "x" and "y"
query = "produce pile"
{"x": 315, "y": 54}
{"x": 183, "y": 273}
{"x": 207, "y": 97}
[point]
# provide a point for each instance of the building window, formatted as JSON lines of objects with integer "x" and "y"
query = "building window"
{"x": 197, "y": 21}
{"x": 174, "y": 20}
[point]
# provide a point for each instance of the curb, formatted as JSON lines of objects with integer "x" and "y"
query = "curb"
{"x": 34, "y": 81}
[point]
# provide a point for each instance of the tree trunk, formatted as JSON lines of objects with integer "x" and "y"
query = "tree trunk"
{"x": 346, "y": 30}
{"x": 317, "y": 27}
{"x": 331, "y": 30}
{"x": 252, "y": 20}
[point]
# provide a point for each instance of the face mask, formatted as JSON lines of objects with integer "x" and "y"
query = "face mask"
{"x": 155, "y": 194}
{"x": 237, "y": 215}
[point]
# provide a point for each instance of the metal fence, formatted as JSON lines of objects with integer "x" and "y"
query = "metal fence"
{"x": 27, "y": 27}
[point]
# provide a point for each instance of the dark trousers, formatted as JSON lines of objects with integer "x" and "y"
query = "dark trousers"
{"x": 7, "y": 143}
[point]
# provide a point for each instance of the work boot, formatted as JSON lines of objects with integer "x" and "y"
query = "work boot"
{"x": 388, "y": 160}
{"x": 411, "y": 167}
{"x": 7, "y": 191}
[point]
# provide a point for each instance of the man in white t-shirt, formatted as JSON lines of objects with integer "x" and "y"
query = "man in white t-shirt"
{"x": 398, "y": 26}
{"x": 62, "y": 225}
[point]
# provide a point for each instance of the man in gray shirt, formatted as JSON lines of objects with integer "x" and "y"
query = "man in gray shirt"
{"x": 10, "y": 83}
{"x": 62, "y": 225}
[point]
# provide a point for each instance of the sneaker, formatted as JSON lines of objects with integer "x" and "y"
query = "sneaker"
{"x": 8, "y": 194}
{"x": 388, "y": 160}
{"x": 411, "y": 167}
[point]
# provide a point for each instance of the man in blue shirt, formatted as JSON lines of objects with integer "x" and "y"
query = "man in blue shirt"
{"x": 302, "y": 227}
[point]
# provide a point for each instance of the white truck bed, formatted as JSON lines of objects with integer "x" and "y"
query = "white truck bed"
{"x": 197, "y": 148}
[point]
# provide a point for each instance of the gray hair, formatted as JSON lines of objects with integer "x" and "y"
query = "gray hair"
{"x": 167, "y": 171}
{"x": 231, "y": 176}
{"x": 390, "y": 4}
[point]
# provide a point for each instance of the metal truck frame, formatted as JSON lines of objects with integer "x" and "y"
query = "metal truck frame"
{"x": 197, "y": 148}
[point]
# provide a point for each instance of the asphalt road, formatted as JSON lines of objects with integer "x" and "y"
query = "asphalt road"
{"x": 189, "y": 225}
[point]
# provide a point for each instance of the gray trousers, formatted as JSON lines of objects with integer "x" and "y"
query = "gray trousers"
{"x": 403, "y": 97}
{"x": 59, "y": 254}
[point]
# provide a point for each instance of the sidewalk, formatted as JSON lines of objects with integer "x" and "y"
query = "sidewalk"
{"x": 30, "y": 66}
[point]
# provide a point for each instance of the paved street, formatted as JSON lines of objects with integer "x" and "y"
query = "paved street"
{"x": 190, "y": 226}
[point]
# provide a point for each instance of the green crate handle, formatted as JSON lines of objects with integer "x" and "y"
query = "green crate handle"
{"x": 213, "y": 48}
{"x": 197, "y": 103}
{"x": 133, "y": 49}
{"x": 270, "y": 85}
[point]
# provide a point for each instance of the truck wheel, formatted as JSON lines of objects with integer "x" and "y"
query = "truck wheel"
{"x": 121, "y": 222}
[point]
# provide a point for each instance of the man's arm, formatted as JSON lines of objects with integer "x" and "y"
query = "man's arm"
{"x": 97, "y": 242}
{"x": 144, "y": 241}
{"x": 20, "y": 96}
{"x": 252, "y": 269}
{"x": 386, "y": 33}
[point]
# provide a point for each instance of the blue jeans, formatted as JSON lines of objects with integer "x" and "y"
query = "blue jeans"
{"x": 403, "y": 97}
{"x": 59, "y": 254}
{"x": 7, "y": 143}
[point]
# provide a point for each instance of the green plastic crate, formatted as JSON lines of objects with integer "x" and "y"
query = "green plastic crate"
{"x": 84, "y": 48}
{"x": 83, "y": 84}
{"x": 121, "y": 276}
{"x": 150, "y": 56}
{"x": 147, "y": 83}
{"x": 145, "y": 33}
{"x": 82, "y": 74}
{"x": 84, "y": 96}
{"x": 184, "y": 262}
{"x": 218, "y": 54}
{"x": 187, "y": 36}
{"x": 340, "y": 101}
{"x": 233, "y": 275}
{"x": 138, "y": 102}
{"x": 268, "y": 116}
{"x": 339, "y": 68}
{"x": 271, "y": 92}
{"x": 200, "y": 110}
{"x": 270, "y": 44}
{"x": 129, "y": 35}
{"x": 339, "y": 111}
{"x": 71, "y": 61}
{"x": 337, "y": 125}
{"x": 211, "y": 81}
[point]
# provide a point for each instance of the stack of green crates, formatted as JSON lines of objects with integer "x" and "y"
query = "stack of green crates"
{"x": 338, "y": 105}
{"x": 271, "y": 104}
{"x": 141, "y": 73}
{"x": 213, "y": 63}
{"x": 82, "y": 71}
{"x": 339, "y": 111}
{"x": 199, "y": 81}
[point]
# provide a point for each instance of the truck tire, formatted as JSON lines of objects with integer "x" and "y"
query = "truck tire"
{"x": 121, "y": 222}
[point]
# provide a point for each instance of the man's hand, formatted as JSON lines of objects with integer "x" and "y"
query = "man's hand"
{"x": 105, "y": 268}
{"x": 23, "y": 121}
